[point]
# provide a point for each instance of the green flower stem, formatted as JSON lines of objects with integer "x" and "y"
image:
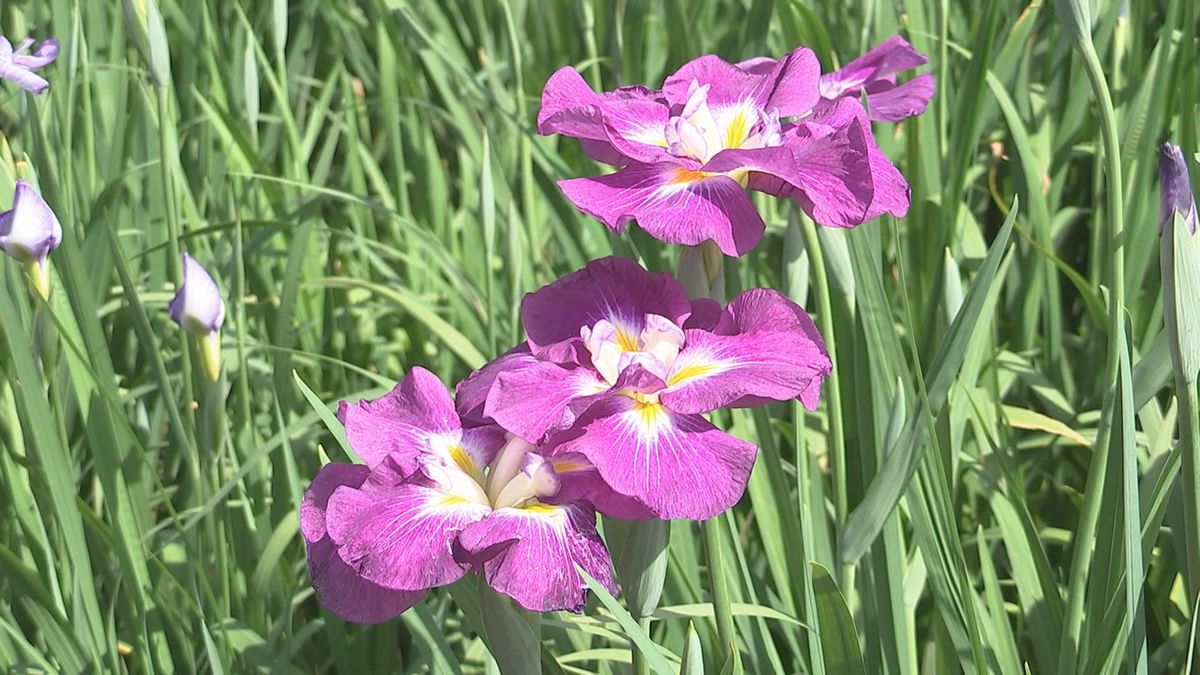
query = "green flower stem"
{"x": 701, "y": 270}
{"x": 833, "y": 389}
{"x": 1085, "y": 533}
{"x": 1189, "y": 441}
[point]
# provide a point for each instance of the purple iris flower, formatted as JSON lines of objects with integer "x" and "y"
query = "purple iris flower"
{"x": 873, "y": 73}
{"x": 29, "y": 231}
{"x": 689, "y": 152}
{"x": 619, "y": 367}
{"x": 18, "y": 66}
{"x": 436, "y": 500}
{"x": 1176, "y": 187}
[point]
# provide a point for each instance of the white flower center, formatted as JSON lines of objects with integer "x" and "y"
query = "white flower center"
{"x": 614, "y": 348}
{"x": 700, "y": 132}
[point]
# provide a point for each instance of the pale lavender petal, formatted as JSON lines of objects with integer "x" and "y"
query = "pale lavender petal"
{"x": 673, "y": 204}
{"x": 542, "y": 396}
{"x": 614, "y": 289}
{"x": 530, "y": 554}
{"x": 197, "y": 305}
{"x": 22, "y": 77}
{"x": 403, "y": 540}
{"x": 45, "y": 54}
{"x": 776, "y": 354}
{"x": 339, "y": 588}
{"x": 679, "y": 466}
{"x": 1176, "y": 187}
{"x": 30, "y": 230}
{"x": 415, "y": 417}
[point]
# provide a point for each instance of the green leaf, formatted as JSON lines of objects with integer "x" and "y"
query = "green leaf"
{"x": 839, "y": 638}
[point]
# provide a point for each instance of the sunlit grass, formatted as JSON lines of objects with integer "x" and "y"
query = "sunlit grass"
{"x": 365, "y": 184}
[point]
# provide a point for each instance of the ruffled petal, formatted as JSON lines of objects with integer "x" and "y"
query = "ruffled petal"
{"x": 403, "y": 539}
{"x": 629, "y": 122}
{"x": 838, "y": 192}
{"x": 829, "y": 175}
{"x": 413, "y": 418}
{"x": 530, "y": 554}
{"x": 679, "y": 466}
{"x": 674, "y": 204}
{"x": 789, "y": 85}
{"x": 776, "y": 354}
{"x": 613, "y": 289}
{"x": 890, "y": 102}
{"x": 580, "y": 481}
{"x": 339, "y": 588}
{"x": 542, "y": 396}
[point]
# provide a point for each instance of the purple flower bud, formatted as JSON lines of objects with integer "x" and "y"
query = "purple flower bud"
{"x": 198, "y": 308}
{"x": 197, "y": 305}
{"x": 18, "y": 66}
{"x": 1176, "y": 187}
{"x": 29, "y": 232}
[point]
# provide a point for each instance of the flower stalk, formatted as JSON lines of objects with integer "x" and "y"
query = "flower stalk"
{"x": 1075, "y": 16}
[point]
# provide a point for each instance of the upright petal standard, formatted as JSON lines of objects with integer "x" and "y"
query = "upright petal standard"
{"x": 437, "y": 500}
{"x": 199, "y": 309}
{"x": 17, "y": 66}
{"x": 29, "y": 231}
{"x": 620, "y": 368}
{"x": 689, "y": 152}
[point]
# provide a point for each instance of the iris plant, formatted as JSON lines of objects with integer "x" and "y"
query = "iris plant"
{"x": 17, "y": 66}
{"x": 29, "y": 231}
{"x": 619, "y": 366}
{"x": 435, "y": 500}
{"x": 689, "y": 152}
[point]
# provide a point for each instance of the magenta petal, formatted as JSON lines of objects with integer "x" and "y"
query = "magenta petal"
{"x": 792, "y": 86}
{"x": 727, "y": 83}
{"x": 530, "y": 554}
{"x": 673, "y": 204}
{"x": 892, "y": 56}
{"x": 404, "y": 422}
{"x": 629, "y": 122}
{"x": 776, "y": 355}
{"x": 892, "y": 103}
{"x": 789, "y": 86}
{"x": 679, "y": 466}
{"x": 402, "y": 540}
{"x": 579, "y": 480}
{"x": 615, "y": 289}
{"x": 542, "y": 396}
{"x": 470, "y": 394}
{"x": 829, "y": 175}
{"x": 339, "y": 588}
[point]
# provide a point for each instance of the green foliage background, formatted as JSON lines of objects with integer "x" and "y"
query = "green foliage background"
{"x": 365, "y": 183}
